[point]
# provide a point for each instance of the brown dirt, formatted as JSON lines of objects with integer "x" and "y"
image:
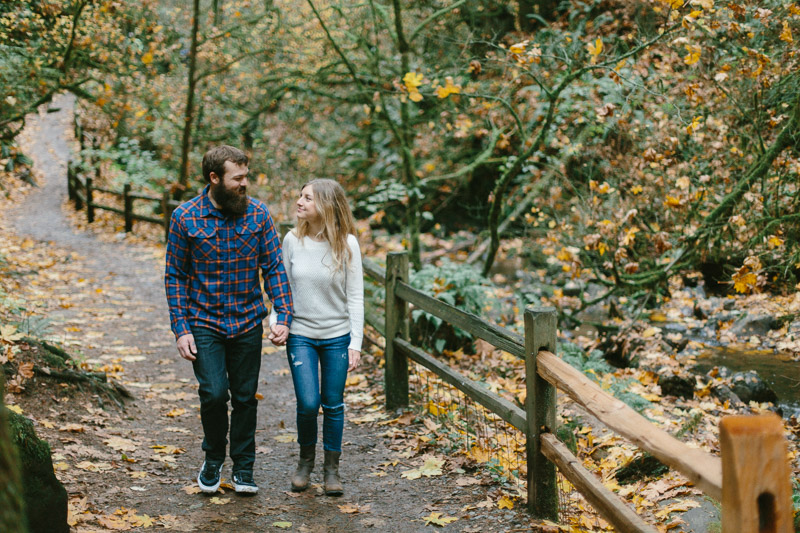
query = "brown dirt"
{"x": 133, "y": 467}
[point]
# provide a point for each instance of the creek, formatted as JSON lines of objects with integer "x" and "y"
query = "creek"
{"x": 779, "y": 370}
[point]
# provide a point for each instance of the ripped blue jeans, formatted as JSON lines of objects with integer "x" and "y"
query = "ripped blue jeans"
{"x": 319, "y": 372}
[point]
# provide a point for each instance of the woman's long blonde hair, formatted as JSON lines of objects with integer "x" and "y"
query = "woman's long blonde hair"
{"x": 337, "y": 219}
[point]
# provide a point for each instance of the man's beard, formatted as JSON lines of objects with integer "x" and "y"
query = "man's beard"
{"x": 231, "y": 202}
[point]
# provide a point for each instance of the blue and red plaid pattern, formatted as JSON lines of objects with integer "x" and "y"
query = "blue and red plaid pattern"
{"x": 212, "y": 268}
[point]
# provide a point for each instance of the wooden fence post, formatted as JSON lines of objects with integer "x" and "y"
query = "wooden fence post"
{"x": 76, "y": 185}
{"x": 167, "y": 212}
{"x": 396, "y": 370}
{"x": 127, "y": 203}
{"x": 540, "y": 407}
{"x": 89, "y": 200}
{"x": 756, "y": 487}
{"x": 71, "y": 180}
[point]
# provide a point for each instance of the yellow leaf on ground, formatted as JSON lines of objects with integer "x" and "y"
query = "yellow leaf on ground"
{"x": 438, "y": 520}
{"x": 176, "y": 412}
{"x": 114, "y": 522}
{"x": 216, "y": 500}
{"x": 282, "y": 525}
{"x": 74, "y": 428}
{"x": 16, "y": 408}
{"x": 286, "y": 437}
{"x": 93, "y": 467}
{"x": 168, "y": 450}
{"x": 505, "y": 503}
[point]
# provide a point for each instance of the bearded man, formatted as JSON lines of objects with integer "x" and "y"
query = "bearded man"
{"x": 217, "y": 243}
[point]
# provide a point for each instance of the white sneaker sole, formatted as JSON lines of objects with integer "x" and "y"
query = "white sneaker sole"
{"x": 244, "y": 489}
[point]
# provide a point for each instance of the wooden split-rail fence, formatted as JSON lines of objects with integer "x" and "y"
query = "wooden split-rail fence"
{"x": 751, "y": 479}
{"x": 82, "y": 189}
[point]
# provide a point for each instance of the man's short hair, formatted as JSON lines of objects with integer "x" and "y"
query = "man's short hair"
{"x": 214, "y": 160}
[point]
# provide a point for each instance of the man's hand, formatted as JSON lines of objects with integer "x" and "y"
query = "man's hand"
{"x": 186, "y": 347}
{"x": 278, "y": 334}
{"x": 355, "y": 358}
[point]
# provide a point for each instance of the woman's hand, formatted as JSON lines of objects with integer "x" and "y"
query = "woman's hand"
{"x": 355, "y": 358}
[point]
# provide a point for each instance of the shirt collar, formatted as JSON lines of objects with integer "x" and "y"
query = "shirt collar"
{"x": 206, "y": 207}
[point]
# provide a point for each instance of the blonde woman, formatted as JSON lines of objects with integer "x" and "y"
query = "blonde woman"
{"x": 323, "y": 263}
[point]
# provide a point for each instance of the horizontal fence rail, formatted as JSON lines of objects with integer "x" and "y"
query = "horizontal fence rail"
{"x": 547, "y": 373}
{"x": 81, "y": 192}
{"x": 702, "y": 468}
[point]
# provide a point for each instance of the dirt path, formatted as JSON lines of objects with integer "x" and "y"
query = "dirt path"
{"x": 134, "y": 468}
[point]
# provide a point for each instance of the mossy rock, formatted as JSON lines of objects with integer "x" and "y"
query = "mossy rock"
{"x": 12, "y": 505}
{"x": 45, "y": 496}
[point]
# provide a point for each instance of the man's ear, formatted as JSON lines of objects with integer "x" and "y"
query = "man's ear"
{"x": 215, "y": 179}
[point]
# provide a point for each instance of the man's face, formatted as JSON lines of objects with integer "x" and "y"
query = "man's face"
{"x": 230, "y": 190}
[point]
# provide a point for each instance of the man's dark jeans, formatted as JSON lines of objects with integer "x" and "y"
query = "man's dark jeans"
{"x": 221, "y": 365}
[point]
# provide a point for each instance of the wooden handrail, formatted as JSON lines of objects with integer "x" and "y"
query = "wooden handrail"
{"x": 702, "y": 469}
{"x": 373, "y": 269}
{"x": 610, "y": 505}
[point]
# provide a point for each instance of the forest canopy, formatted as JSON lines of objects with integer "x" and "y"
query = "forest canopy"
{"x": 619, "y": 142}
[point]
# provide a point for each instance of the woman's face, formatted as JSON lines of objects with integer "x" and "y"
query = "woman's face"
{"x": 306, "y": 209}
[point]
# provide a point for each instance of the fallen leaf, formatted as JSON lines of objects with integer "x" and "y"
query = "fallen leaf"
{"x": 120, "y": 444}
{"x": 94, "y": 467}
{"x": 282, "y": 525}
{"x": 169, "y": 450}
{"x": 286, "y": 437}
{"x": 438, "y": 520}
{"x": 113, "y": 522}
{"x": 505, "y": 503}
{"x": 352, "y": 508}
{"x": 216, "y": 500}
{"x": 25, "y": 370}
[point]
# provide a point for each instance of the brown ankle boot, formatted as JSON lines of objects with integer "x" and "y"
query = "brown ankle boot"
{"x": 333, "y": 485}
{"x": 304, "y": 467}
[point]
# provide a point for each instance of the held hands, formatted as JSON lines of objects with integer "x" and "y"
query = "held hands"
{"x": 186, "y": 347}
{"x": 354, "y": 357}
{"x": 278, "y": 334}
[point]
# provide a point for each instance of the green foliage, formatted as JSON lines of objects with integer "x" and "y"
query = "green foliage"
{"x": 131, "y": 164}
{"x": 12, "y": 158}
{"x": 456, "y": 284}
{"x": 593, "y": 364}
{"x": 596, "y": 367}
{"x": 796, "y": 503}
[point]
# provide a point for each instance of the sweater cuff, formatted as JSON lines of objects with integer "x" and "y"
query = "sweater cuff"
{"x": 355, "y": 343}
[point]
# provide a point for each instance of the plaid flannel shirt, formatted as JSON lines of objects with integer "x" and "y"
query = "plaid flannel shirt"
{"x": 212, "y": 268}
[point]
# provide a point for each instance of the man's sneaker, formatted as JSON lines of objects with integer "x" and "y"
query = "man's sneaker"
{"x": 208, "y": 478}
{"x": 243, "y": 482}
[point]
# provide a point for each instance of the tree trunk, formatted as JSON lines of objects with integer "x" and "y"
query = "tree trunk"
{"x": 12, "y": 511}
{"x": 183, "y": 180}
{"x": 406, "y": 143}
